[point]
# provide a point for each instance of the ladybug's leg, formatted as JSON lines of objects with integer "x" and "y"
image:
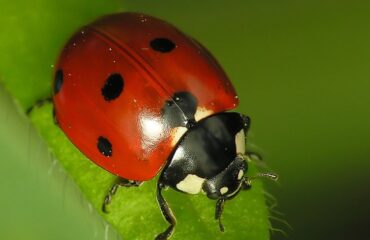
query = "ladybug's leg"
{"x": 219, "y": 209}
{"x": 120, "y": 182}
{"x": 247, "y": 122}
{"x": 38, "y": 104}
{"x": 246, "y": 184}
{"x": 167, "y": 213}
{"x": 250, "y": 155}
{"x": 41, "y": 103}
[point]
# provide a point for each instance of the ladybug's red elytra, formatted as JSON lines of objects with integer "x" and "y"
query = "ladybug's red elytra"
{"x": 139, "y": 98}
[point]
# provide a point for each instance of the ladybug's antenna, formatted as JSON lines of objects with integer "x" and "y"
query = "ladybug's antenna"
{"x": 248, "y": 180}
{"x": 271, "y": 176}
{"x": 257, "y": 160}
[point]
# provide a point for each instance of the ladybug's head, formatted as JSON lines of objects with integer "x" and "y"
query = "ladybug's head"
{"x": 229, "y": 182}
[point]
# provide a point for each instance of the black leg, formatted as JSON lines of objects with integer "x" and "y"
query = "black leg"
{"x": 54, "y": 116}
{"x": 249, "y": 154}
{"x": 39, "y": 103}
{"x": 219, "y": 208}
{"x": 120, "y": 182}
{"x": 167, "y": 213}
{"x": 247, "y": 123}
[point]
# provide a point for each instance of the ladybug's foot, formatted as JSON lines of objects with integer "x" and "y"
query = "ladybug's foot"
{"x": 166, "y": 234}
{"x": 38, "y": 104}
{"x": 41, "y": 103}
{"x": 120, "y": 182}
{"x": 167, "y": 213}
{"x": 108, "y": 197}
{"x": 246, "y": 184}
{"x": 219, "y": 209}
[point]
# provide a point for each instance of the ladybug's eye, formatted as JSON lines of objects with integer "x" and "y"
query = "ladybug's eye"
{"x": 113, "y": 87}
{"x": 162, "y": 45}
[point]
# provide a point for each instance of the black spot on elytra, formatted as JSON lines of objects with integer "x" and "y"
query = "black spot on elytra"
{"x": 104, "y": 146}
{"x": 58, "y": 81}
{"x": 113, "y": 87}
{"x": 162, "y": 45}
{"x": 180, "y": 109}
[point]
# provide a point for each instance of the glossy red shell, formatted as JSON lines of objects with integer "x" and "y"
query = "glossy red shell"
{"x": 119, "y": 43}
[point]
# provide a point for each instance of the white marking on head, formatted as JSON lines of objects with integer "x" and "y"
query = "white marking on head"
{"x": 240, "y": 174}
{"x": 191, "y": 184}
{"x": 240, "y": 142}
{"x": 201, "y": 113}
{"x": 224, "y": 190}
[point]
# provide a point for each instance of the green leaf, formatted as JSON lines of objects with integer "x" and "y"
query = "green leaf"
{"x": 32, "y": 34}
{"x": 31, "y": 38}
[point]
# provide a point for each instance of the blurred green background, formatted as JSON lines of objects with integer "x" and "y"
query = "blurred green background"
{"x": 301, "y": 69}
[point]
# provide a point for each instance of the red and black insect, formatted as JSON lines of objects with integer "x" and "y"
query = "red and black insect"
{"x": 139, "y": 97}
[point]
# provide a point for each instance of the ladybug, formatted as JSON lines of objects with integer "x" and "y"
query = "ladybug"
{"x": 139, "y": 98}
